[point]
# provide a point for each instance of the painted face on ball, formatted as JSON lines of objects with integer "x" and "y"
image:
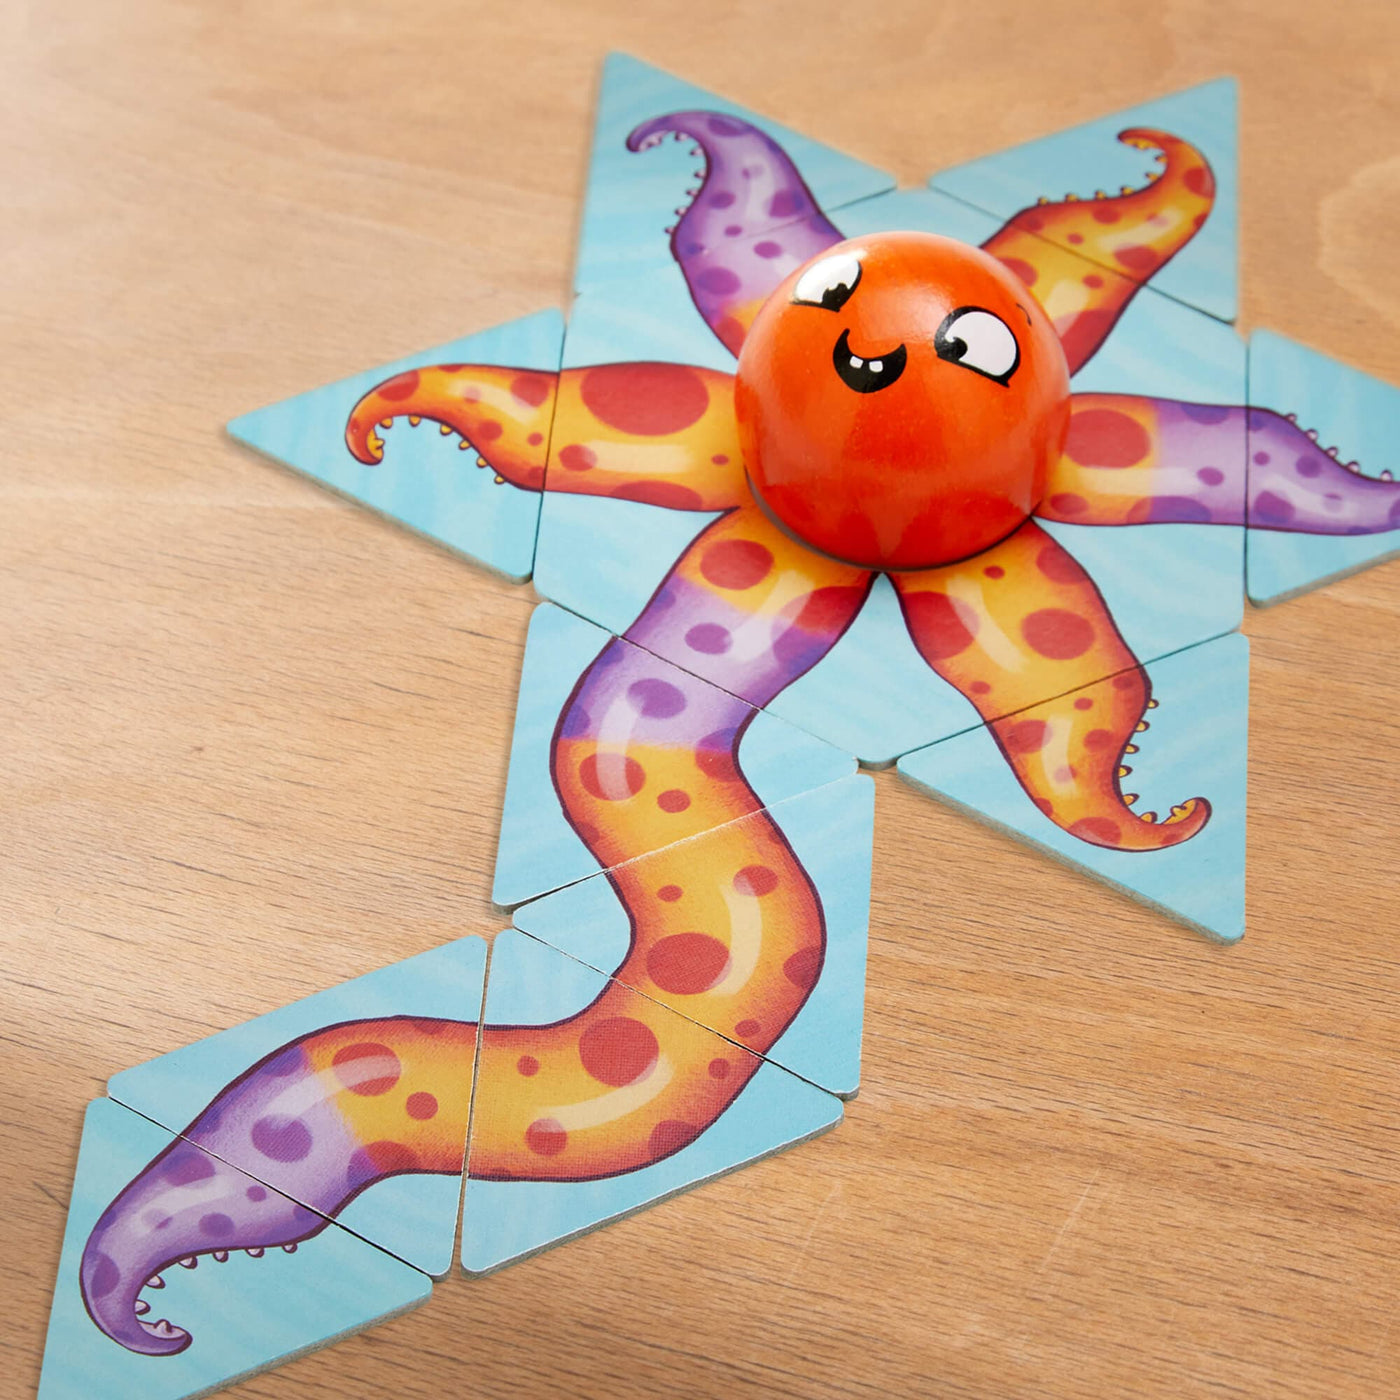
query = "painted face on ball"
{"x": 900, "y": 401}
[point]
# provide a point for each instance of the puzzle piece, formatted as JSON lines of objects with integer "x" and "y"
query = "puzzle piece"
{"x": 1320, "y": 487}
{"x": 701, "y": 936}
{"x": 572, "y": 1131}
{"x": 665, "y": 732}
{"x": 1058, "y": 775}
{"x": 470, "y": 476}
{"x": 1113, "y": 215}
{"x": 364, "y": 1086}
{"x": 174, "y": 1332}
{"x": 734, "y": 170}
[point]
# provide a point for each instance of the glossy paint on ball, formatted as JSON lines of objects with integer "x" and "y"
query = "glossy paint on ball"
{"x": 900, "y": 400}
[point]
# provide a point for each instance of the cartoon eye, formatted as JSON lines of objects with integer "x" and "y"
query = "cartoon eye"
{"x": 978, "y": 340}
{"x": 830, "y": 282}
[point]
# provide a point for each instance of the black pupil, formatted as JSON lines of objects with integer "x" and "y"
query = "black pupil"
{"x": 834, "y": 298}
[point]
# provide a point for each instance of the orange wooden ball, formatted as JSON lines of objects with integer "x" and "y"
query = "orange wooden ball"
{"x": 900, "y": 400}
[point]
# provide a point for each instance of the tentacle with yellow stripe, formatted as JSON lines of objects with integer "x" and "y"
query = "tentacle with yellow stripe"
{"x": 1019, "y": 623}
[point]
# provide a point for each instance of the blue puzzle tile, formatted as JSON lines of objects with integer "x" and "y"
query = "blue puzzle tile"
{"x": 636, "y": 196}
{"x": 1090, "y": 158}
{"x": 594, "y": 1102}
{"x": 443, "y": 479}
{"x": 540, "y": 850}
{"x": 353, "y": 1101}
{"x": 1199, "y": 726}
{"x": 699, "y": 946}
{"x": 128, "y": 1324}
{"x": 1322, "y": 500}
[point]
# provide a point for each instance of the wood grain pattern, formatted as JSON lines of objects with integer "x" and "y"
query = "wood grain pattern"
{"x": 253, "y": 741}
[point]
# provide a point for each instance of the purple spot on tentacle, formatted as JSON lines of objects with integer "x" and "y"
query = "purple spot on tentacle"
{"x": 1261, "y": 459}
{"x": 785, "y": 204}
{"x": 1307, "y": 466}
{"x": 280, "y": 1138}
{"x": 709, "y": 638}
{"x": 733, "y": 230}
{"x": 1207, "y": 413}
{"x": 1272, "y": 509}
{"x": 1210, "y": 476}
{"x": 216, "y": 1225}
{"x": 104, "y": 1276}
{"x": 721, "y": 199}
{"x": 187, "y": 1164}
{"x": 719, "y": 281}
{"x": 1179, "y": 510}
{"x": 726, "y": 126}
{"x": 655, "y": 699}
{"x": 768, "y": 249}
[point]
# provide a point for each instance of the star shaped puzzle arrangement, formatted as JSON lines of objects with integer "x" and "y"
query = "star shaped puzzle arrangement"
{"x": 686, "y": 840}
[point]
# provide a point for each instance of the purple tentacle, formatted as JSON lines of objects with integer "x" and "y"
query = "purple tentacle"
{"x": 1298, "y": 487}
{"x": 184, "y": 1204}
{"x": 751, "y": 220}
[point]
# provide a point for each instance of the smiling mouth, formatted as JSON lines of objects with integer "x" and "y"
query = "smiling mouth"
{"x": 866, "y": 376}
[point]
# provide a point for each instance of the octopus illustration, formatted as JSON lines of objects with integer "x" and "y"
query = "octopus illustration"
{"x": 900, "y": 406}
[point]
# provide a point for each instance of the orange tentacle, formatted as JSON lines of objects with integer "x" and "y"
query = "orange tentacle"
{"x": 503, "y": 413}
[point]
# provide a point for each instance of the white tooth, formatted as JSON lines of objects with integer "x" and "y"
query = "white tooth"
{"x": 142, "y": 1307}
{"x": 876, "y": 366}
{"x": 856, "y": 362}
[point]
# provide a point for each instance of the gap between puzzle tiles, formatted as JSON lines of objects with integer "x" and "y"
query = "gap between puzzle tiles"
{"x": 177, "y": 1332}
{"x": 367, "y": 1084}
{"x": 1067, "y": 777}
{"x": 1322, "y": 499}
{"x": 595, "y": 1101}
{"x": 470, "y": 476}
{"x": 1130, "y": 224}
{"x": 616, "y": 752}
{"x": 756, "y": 930}
{"x": 875, "y": 697}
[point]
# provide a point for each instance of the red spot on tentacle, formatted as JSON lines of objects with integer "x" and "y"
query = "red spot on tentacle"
{"x": 1104, "y": 437}
{"x": 1026, "y": 736}
{"x": 803, "y": 968}
{"x": 577, "y": 458}
{"x": 368, "y": 1068}
{"x": 736, "y": 564}
{"x": 1098, "y": 830}
{"x": 671, "y": 1135}
{"x": 647, "y": 400}
{"x": 612, "y": 777}
{"x": 1057, "y": 634}
{"x": 546, "y": 1137}
{"x": 401, "y": 386}
{"x": 528, "y": 1065}
{"x": 942, "y": 626}
{"x": 756, "y": 880}
{"x": 688, "y": 963}
{"x": 421, "y": 1106}
{"x": 532, "y": 389}
{"x": 618, "y": 1050}
{"x": 1059, "y": 566}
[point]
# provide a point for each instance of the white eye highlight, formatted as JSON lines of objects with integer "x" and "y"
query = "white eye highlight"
{"x": 830, "y": 282}
{"x": 978, "y": 340}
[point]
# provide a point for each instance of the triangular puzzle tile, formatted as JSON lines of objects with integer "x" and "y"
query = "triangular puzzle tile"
{"x": 366, "y": 1085}
{"x": 470, "y": 476}
{"x": 594, "y": 1101}
{"x": 1115, "y": 217}
{"x": 1080, "y": 767}
{"x": 782, "y": 894}
{"x": 726, "y": 169}
{"x": 1322, "y": 452}
{"x": 128, "y": 1323}
{"x": 603, "y": 725}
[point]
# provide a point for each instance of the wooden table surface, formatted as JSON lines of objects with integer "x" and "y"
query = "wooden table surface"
{"x": 254, "y": 740}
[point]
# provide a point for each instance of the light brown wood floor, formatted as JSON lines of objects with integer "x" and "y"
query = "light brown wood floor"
{"x": 253, "y": 740}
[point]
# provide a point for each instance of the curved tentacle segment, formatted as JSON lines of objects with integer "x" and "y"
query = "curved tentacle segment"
{"x": 1023, "y": 621}
{"x": 503, "y": 413}
{"x": 1297, "y": 485}
{"x": 751, "y": 218}
{"x": 1137, "y": 231}
{"x": 324, "y": 1117}
{"x": 1068, "y": 755}
{"x": 184, "y": 1204}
